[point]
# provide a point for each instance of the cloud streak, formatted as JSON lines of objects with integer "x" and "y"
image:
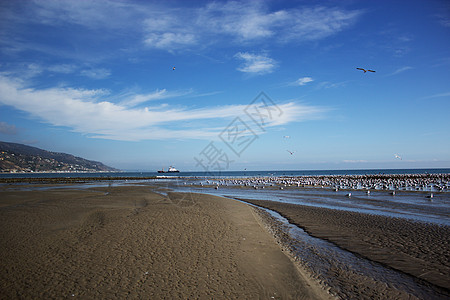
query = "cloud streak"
{"x": 87, "y": 112}
{"x": 400, "y": 70}
{"x": 303, "y": 81}
{"x": 137, "y": 99}
{"x": 437, "y": 96}
{"x": 100, "y": 73}
{"x": 256, "y": 63}
{"x": 168, "y": 28}
{"x": 248, "y": 22}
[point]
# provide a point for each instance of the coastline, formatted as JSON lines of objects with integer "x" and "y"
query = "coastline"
{"x": 415, "y": 248}
{"x": 62, "y": 180}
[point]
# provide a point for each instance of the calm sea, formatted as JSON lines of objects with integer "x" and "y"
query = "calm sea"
{"x": 269, "y": 173}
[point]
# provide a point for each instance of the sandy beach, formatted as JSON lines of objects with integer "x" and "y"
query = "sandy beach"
{"x": 144, "y": 241}
{"x": 129, "y": 242}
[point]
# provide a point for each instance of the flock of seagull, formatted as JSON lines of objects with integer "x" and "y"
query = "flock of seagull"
{"x": 390, "y": 183}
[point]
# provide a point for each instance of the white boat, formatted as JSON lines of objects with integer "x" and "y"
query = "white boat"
{"x": 170, "y": 170}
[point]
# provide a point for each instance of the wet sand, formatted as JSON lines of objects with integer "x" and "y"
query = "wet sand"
{"x": 415, "y": 248}
{"x": 129, "y": 242}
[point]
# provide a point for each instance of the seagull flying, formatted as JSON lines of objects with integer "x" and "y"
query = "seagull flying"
{"x": 398, "y": 156}
{"x": 173, "y": 68}
{"x": 365, "y": 70}
{"x": 290, "y": 152}
{"x": 286, "y": 137}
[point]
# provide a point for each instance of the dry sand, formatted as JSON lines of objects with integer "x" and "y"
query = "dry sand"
{"x": 419, "y": 249}
{"x": 129, "y": 242}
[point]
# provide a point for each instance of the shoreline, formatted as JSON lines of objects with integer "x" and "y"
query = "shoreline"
{"x": 63, "y": 180}
{"x": 415, "y": 248}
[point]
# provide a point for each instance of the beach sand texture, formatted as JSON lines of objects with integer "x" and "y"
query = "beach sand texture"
{"x": 415, "y": 248}
{"x": 129, "y": 242}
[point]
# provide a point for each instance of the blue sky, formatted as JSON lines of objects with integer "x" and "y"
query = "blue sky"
{"x": 252, "y": 81}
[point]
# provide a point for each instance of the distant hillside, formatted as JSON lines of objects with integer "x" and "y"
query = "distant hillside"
{"x": 22, "y": 158}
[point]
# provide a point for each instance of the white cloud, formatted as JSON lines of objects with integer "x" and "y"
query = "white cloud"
{"x": 312, "y": 23}
{"x": 170, "y": 29}
{"x": 242, "y": 22}
{"x": 169, "y": 40}
{"x": 160, "y": 26}
{"x": 256, "y": 64}
{"x": 137, "y": 99}
{"x": 303, "y": 81}
{"x": 87, "y": 112}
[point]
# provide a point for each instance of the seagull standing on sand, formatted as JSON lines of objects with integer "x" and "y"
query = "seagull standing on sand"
{"x": 365, "y": 70}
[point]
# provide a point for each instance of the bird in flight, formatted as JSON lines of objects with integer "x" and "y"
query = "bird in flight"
{"x": 286, "y": 137}
{"x": 173, "y": 68}
{"x": 365, "y": 70}
{"x": 398, "y": 156}
{"x": 290, "y": 152}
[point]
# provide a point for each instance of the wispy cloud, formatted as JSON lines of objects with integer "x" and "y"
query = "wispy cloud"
{"x": 256, "y": 63}
{"x": 137, "y": 99}
{"x": 89, "y": 112}
{"x": 247, "y": 22}
{"x": 437, "y": 96}
{"x": 331, "y": 85}
{"x": 444, "y": 18}
{"x": 312, "y": 23}
{"x": 160, "y": 26}
{"x": 100, "y": 73}
{"x": 97, "y": 14}
{"x": 395, "y": 41}
{"x": 400, "y": 70}
{"x": 303, "y": 81}
{"x": 63, "y": 68}
{"x": 31, "y": 70}
{"x": 170, "y": 40}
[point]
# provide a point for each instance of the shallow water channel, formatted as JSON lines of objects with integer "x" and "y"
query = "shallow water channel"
{"x": 343, "y": 273}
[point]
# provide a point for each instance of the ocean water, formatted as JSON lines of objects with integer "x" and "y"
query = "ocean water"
{"x": 225, "y": 174}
